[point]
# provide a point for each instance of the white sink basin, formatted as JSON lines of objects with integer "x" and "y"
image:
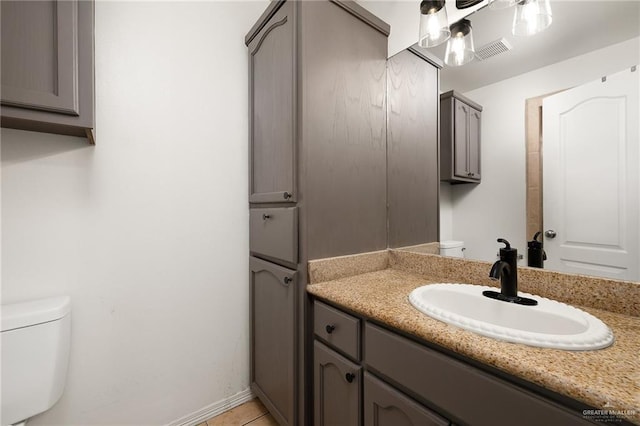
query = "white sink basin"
{"x": 549, "y": 324}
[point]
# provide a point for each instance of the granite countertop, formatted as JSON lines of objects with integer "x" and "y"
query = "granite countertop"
{"x": 607, "y": 379}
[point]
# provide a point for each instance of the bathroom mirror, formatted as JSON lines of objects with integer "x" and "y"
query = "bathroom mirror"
{"x": 587, "y": 40}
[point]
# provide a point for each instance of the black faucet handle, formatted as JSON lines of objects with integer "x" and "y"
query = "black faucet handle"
{"x": 507, "y": 244}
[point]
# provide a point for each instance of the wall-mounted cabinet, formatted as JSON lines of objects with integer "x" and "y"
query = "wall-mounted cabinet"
{"x": 47, "y": 66}
{"x": 460, "y": 126}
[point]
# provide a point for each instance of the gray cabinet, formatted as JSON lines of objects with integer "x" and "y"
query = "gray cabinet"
{"x": 406, "y": 382}
{"x": 317, "y": 148}
{"x": 323, "y": 147}
{"x": 385, "y": 406}
{"x": 464, "y": 393}
{"x": 47, "y": 66}
{"x": 273, "y": 233}
{"x": 412, "y": 149}
{"x": 343, "y": 129}
{"x": 338, "y": 329}
{"x": 339, "y": 397}
{"x": 337, "y": 384}
{"x": 273, "y": 337}
{"x": 460, "y": 131}
{"x": 272, "y": 108}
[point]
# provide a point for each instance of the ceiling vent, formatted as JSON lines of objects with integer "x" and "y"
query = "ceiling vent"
{"x": 492, "y": 49}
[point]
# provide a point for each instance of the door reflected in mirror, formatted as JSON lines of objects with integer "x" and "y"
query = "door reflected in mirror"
{"x": 590, "y": 178}
{"x": 598, "y": 229}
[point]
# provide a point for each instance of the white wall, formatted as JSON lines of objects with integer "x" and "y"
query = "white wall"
{"x": 496, "y": 207}
{"x": 445, "y": 204}
{"x": 148, "y": 230}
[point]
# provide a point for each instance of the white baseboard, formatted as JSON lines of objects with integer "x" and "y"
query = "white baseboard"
{"x": 214, "y": 409}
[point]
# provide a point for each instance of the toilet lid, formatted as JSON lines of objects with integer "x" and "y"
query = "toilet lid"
{"x": 33, "y": 312}
{"x": 451, "y": 244}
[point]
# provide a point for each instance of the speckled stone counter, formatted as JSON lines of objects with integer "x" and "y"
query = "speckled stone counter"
{"x": 607, "y": 379}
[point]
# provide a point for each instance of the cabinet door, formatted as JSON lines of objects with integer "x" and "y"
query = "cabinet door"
{"x": 47, "y": 65}
{"x": 461, "y": 114}
{"x": 272, "y": 103}
{"x": 336, "y": 388}
{"x": 39, "y": 47}
{"x": 273, "y": 338}
{"x": 474, "y": 143}
{"x": 343, "y": 63}
{"x": 385, "y": 406}
{"x": 467, "y": 394}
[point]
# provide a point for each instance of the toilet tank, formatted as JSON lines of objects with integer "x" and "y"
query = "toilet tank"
{"x": 35, "y": 344}
{"x": 452, "y": 248}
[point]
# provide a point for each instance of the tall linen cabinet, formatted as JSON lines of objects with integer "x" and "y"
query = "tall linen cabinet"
{"x": 317, "y": 184}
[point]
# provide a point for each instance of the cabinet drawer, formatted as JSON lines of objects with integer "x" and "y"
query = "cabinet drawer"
{"x": 340, "y": 330}
{"x": 385, "y": 406}
{"x": 274, "y": 233}
{"x": 465, "y": 393}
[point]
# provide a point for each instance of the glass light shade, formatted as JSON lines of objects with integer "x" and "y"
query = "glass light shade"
{"x": 502, "y": 4}
{"x": 531, "y": 17}
{"x": 460, "y": 49}
{"x": 434, "y": 25}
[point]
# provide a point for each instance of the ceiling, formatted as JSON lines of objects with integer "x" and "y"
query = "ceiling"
{"x": 579, "y": 26}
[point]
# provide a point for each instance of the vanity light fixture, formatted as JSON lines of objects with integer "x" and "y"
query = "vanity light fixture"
{"x": 460, "y": 48}
{"x": 531, "y": 17}
{"x": 464, "y": 4}
{"x": 502, "y": 4}
{"x": 434, "y": 24}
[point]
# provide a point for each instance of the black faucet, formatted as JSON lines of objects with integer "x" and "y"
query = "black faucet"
{"x": 506, "y": 270}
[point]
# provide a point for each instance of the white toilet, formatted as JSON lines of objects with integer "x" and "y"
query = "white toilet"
{"x": 35, "y": 355}
{"x": 452, "y": 248}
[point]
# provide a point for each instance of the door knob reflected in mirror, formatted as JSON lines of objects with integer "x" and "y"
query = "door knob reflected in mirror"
{"x": 550, "y": 233}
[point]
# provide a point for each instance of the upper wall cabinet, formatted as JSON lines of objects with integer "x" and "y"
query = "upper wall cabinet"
{"x": 459, "y": 139}
{"x": 47, "y": 66}
{"x": 272, "y": 110}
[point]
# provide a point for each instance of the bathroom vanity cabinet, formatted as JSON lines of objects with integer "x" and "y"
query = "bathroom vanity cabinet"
{"x": 337, "y": 384}
{"x": 337, "y": 375}
{"x": 408, "y": 382}
{"x": 48, "y": 66}
{"x": 460, "y": 125}
{"x": 317, "y": 183}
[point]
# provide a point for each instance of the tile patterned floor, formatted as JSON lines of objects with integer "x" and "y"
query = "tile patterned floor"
{"x": 250, "y": 413}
